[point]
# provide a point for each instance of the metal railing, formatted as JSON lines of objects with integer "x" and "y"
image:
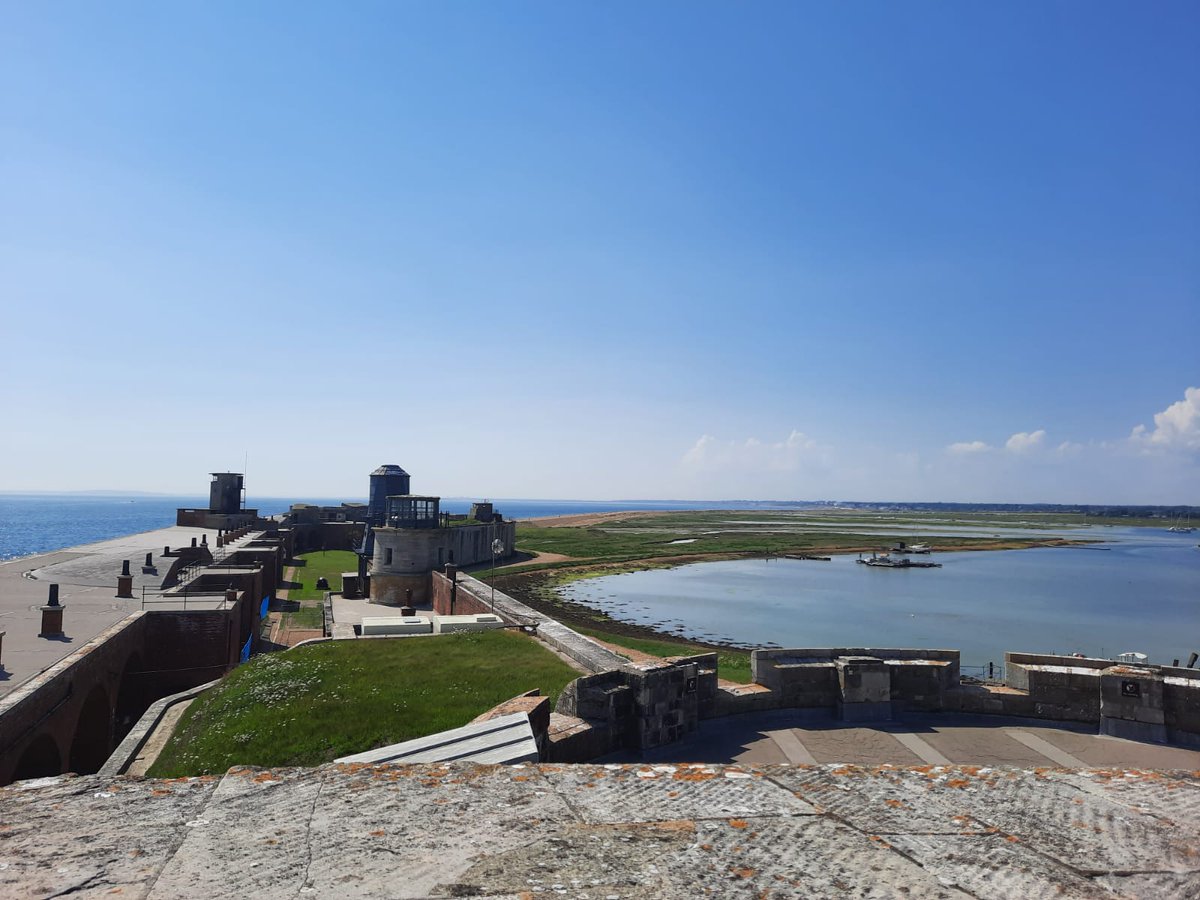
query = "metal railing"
{"x": 986, "y": 673}
{"x": 151, "y": 597}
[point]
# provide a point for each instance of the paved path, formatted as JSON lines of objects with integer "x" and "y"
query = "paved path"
{"x": 87, "y": 579}
{"x": 813, "y": 736}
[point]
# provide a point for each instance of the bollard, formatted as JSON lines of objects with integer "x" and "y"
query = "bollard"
{"x": 124, "y": 567}
{"x": 204, "y": 539}
{"x": 150, "y": 560}
{"x": 167, "y": 550}
{"x": 52, "y": 616}
{"x": 193, "y": 542}
{"x": 231, "y": 595}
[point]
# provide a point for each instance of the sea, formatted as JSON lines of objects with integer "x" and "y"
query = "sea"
{"x": 41, "y": 523}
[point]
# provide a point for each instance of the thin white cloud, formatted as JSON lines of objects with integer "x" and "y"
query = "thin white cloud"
{"x": 1175, "y": 428}
{"x": 1068, "y": 448}
{"x": 967, "y": 447}
{"x": 710, "y": 453}
{"x": 1025, "y": 441}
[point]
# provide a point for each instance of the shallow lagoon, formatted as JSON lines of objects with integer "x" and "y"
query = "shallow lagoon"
{"x": 1140, "y": 591}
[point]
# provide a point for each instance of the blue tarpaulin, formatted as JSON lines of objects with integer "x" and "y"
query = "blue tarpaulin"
{"x": 246, "y": 650}
{"x": 262, "y": 610}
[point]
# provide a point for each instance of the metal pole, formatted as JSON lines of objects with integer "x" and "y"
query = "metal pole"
{"x": 493, "y": 531}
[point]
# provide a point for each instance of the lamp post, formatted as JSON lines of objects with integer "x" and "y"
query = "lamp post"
{"x": 497, "y": 549}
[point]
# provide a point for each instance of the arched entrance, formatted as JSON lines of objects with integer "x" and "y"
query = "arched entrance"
{"x": 39, "y": 759}
{"x": 93, "y": 733}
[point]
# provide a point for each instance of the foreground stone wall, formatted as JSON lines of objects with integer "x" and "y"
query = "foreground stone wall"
{"x": 603, "y": 831}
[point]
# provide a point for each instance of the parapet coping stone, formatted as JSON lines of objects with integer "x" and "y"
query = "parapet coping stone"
{"x": 635, "y": 832}
{"x": 583, "y": 650}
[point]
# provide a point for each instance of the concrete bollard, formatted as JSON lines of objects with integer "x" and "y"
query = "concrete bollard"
{"x": 52, "y": 616}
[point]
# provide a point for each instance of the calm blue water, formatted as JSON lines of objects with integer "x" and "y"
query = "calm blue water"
{"x": 1141, "y": 593}
{"x": 39, "y": 523}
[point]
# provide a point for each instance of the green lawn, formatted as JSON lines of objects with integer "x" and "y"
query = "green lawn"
{"x": 328, "y": 563}
{"x": 316, "y": 703}
{"x": 732, "y": 665}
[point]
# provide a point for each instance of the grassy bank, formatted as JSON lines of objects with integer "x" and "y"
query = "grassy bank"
{"x": 316, "y": 703}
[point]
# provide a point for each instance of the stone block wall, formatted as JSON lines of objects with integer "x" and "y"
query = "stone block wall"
{"x": 637, "y": 708}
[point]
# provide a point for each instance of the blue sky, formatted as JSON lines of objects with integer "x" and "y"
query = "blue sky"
{"x": 674, "y": 250}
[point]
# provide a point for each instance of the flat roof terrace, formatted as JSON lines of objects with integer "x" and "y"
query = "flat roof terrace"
{"x": 87, "y": 580}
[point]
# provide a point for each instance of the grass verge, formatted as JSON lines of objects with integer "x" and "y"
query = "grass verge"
{"x": 316, "y": 703}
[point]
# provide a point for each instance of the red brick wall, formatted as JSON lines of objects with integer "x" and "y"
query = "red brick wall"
{"x": 465, "y": 603}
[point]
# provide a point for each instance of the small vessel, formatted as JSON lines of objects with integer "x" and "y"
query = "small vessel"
{"x": 1182, "y": 526}
{"x": 886, "y": 561}
{"x": 901, "y": 547}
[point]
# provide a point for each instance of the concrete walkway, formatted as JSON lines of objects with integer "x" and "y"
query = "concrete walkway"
{"x": 810, "y": 737}
{"x": 87, "y": 579}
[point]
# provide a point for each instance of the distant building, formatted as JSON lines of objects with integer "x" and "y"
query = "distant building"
{"x": 226, "y": 505}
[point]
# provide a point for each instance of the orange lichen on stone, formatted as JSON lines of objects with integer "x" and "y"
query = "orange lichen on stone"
{"x": 685, "y": 825}
{"x": 264, "y": 777}
{"x": 742, "y": 871}
{"x": 957, "y": 783}
{"x": 738, "y": 823}
{"x": 693, "y": 776}
{"x": 880, "y": 841}
{"x": 897, "y": 804}
{"x": 378, "y": 833}
{"x": 1012, "y": 839}
{"x": 525, "y": 778}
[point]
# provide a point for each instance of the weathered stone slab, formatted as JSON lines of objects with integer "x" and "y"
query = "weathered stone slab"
{"x": 654, "y": 793}
{"x": 888, "y": 800}
{"x": 796, "y": 857}
{"x": 993, "y": 866}
{"x": 639, "y": 831}
{"x": 93, "y": 834}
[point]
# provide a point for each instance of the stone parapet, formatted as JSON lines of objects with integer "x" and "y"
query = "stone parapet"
{"x": 459, "y": 830}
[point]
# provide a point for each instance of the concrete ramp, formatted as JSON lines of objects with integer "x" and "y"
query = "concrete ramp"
{"x": 506, "y": 739}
